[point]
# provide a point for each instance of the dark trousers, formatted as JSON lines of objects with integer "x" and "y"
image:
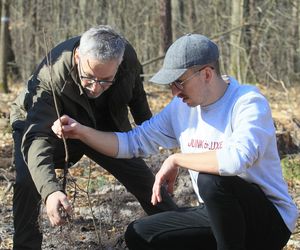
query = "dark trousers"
{"x": 235, "y": 215}
{"x": 132, "y": 173}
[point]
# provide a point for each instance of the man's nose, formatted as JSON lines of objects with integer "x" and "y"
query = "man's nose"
{"x": 96, "y": 87}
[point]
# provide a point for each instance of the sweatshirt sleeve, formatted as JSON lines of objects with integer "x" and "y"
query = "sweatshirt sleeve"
{"x": 145, "y": 139}
{"x": 253, "y": 132}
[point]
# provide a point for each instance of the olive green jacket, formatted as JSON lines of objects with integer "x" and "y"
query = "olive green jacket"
{"x": 34, "y": 109}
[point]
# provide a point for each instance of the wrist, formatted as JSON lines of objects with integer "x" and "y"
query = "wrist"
{"x": 82, "y": 132}
{"x": 174, "y": 159}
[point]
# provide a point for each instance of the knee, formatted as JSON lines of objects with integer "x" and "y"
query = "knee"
{"x": 210, "y": 186}
{"x": 131, "y": 236}
{"x": 25, "y": 193}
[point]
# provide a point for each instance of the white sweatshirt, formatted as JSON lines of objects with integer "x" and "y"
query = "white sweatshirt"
{"x": 239, "y": 126}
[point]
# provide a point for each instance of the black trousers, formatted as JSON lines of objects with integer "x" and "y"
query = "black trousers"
{"x": 134, "y": 174}
{"x": 235, "y": 215}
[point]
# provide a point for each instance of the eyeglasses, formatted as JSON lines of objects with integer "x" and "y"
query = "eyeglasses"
{"x": 91, "y": 81}
{"x": 179, "y": 83}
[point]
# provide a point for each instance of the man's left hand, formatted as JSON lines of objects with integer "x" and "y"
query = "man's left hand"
{"x": 165, "y": 176}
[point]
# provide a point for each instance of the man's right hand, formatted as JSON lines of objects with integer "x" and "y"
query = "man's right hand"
{"x": 67, "y": 127}
{"x": 54, "y": 203}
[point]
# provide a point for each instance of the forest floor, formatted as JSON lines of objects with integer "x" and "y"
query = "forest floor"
{"x": 103, "y": 208}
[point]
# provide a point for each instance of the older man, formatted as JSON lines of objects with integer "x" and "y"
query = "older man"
{"x": 94, "y": 78}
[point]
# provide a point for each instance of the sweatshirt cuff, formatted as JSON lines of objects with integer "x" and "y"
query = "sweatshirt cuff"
{"x": 123, "y": 151}
{"x": 227, "y": 164}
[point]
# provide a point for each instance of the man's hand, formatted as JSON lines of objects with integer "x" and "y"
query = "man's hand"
{"x": 54, "y": 203}
{"x": 165, "y": 176}
{"x": 67, "y": 127}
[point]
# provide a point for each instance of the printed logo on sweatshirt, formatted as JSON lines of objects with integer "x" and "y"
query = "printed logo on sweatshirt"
{"x": 209, "y": 145}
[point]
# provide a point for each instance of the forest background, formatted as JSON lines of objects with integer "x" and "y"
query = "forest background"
{"x": 259, "y": 39}
{"x": 259, "y": 43}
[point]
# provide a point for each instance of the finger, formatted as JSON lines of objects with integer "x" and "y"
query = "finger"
{"x": 51, "y": 221}
{"x": 57, "y": 124}
{"x": 153, "y": 196}
{"x": 56, "y": 131}
{"x": 156, "y": 197}
{"x": 64, "y": 119}
{"x": 55, "y": 218}
{"x": 153, "y": 199}
{"x": 67, "y": 206}
{"x": 67, "y": 128}
{"x": 57, "y": 128}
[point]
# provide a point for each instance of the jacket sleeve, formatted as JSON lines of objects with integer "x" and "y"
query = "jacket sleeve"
{"x": 18, "y": 111}
{"x": 138, "y": 103}
{"x": 38, "y": 138}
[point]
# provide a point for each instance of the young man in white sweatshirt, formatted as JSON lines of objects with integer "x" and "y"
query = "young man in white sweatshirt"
{"x": 227, "y": 139}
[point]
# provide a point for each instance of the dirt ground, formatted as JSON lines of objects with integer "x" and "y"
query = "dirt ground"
{"x": 102, "y": 207}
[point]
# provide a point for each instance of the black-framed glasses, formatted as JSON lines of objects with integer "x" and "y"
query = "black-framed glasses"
{"x": 179, "y": 83}
{"x": 89, "y": 81}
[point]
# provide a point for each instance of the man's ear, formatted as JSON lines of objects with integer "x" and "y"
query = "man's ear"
{"x": 208, "y": 73}
{"x": 76, "y": 56}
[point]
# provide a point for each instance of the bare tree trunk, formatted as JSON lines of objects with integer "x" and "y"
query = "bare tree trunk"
{"x": 296, "y": 34}
{"x": 272, "y": 36}
{"x": 166, "y": 24}
{"x": 35, "y": 29}
{"x": 82, "y": 11}
{"x": 253, "y": 50}
{"x": 191, "y": 15}
{"x": 177, "y": 17}
{"x": 4, "y": 46}
{"x": 235, "y": 39}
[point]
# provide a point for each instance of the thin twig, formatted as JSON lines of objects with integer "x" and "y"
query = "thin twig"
{"x": 153, "y": 60}
{"x": 8, "y": 187}
{"x": 285, "y": 90}
{"x": 3, "y": 175}
{"x": 49, "y": 63}
{"x": 72, "y": 180}
{"x": 90, "y": 205}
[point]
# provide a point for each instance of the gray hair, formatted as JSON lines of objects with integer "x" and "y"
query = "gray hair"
{"x": 102, "y": 43}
